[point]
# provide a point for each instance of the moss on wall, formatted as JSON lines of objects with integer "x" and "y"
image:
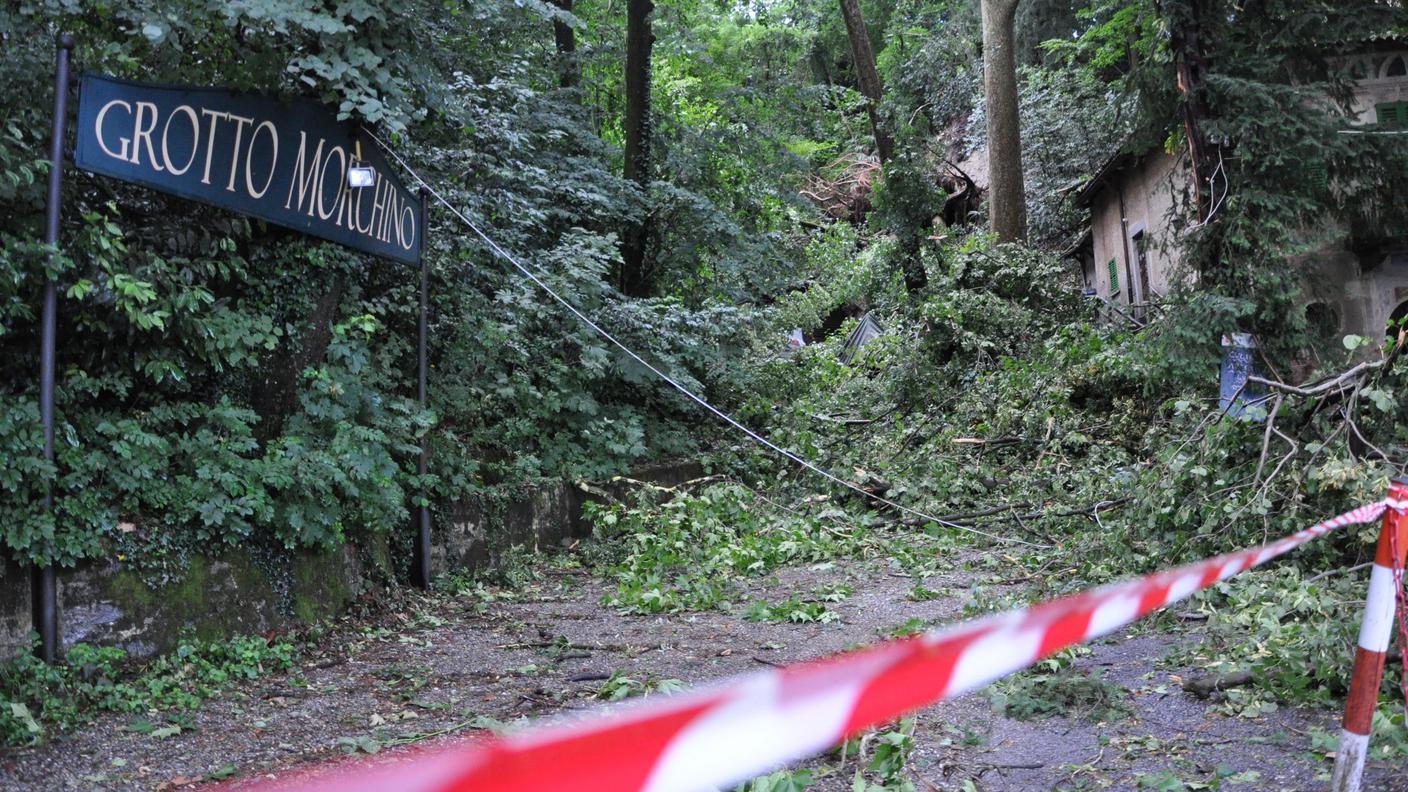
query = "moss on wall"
{"x": 323, "y": 583}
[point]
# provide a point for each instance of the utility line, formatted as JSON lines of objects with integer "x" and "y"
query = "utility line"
{"x": 689, "y": 394}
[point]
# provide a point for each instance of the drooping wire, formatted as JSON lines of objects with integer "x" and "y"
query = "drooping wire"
{"x": 686, "y": 392}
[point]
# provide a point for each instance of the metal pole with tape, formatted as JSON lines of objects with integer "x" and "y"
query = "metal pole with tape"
{"x": 1374, "y": 635}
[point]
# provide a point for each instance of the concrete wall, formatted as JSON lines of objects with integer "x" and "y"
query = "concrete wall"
{"x": 473, "y": 533}
{"x": 246, "y": 591}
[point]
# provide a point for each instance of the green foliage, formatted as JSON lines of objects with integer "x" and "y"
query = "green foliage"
{"x": 1295, "y": 636}
{"x": 682, "y": 554}
{"x": 619, "y": 686}
{"x": 794, "y": 609}
{"x": 935, "y": 68}
{"x": 781, "y": 781}
{"x": 889, "y": 751}
{"x": 906, "y": 203}
{"x": 38, "y": 700}
{"x": 1038, "y": 694}
{"x": 222, "y": 381}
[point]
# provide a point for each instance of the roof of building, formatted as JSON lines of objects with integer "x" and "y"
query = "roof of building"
{"x": 1117, "y": 163}
{"x": 1086, "y": 238}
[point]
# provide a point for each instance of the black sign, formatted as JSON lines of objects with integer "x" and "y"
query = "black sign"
{"x": 285, "y": 161}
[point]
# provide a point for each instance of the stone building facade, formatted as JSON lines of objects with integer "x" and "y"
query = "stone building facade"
{"x": 1140, "y": 204}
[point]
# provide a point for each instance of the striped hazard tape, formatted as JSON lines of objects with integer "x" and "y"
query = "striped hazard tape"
{"x": 731, "y": 731}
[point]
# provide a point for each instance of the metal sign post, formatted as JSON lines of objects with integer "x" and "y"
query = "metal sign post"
{"x": 420, "y": 561}
{"x": 44, "y": 597}
{"x": 287, "y": 161}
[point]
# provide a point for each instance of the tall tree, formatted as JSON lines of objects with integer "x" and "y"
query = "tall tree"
{"x": 569, "y": 73}
{"x": 635, "y": 278}
{"x": 1007, "y": 207}
{"x": 1186, "y": 42}
{"x": 864, "y": 59}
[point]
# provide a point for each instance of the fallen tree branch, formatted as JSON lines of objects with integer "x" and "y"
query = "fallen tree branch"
{"x": 996, "y": 514}
{"x": 1325, "y": 385}
{"x": 986, "y": 442}
{"x": 1205, "y": 686}
{"x": 1344, "y": 570}
{"x": 1266, "y": 438}
{"x": 846, "y": 421}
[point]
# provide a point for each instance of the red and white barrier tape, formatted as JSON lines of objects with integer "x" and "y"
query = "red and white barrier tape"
{"x": 732, "y": 731}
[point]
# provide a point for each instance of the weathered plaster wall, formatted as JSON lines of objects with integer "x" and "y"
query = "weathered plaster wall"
{"x": 1152, "y": 187}
{"x": 1364, "y": 296}
{"x": 1373, "y": 83}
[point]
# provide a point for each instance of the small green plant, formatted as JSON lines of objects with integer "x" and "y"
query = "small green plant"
{"x": 37, "y": 698}
{"x": 836, "y": 592}
{"x": 921, "y": 593}
{"x": 889, "y": 751}
{"x": 781, "y": 781}
{"x": 793, "y": 609}
{"x": 911, "y": 626}
{"x": 619, "y": 686}
{"x": 1038, "y": 694}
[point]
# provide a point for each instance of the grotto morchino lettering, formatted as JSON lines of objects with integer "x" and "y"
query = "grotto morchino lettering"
{"x": 284, "y": 161}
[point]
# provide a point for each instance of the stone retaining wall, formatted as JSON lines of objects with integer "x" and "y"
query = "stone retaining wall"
{"x": 244, "y": 591}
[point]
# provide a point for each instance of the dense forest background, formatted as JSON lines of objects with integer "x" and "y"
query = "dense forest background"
{"x": 701, "y": 177}
{"x": 708, "y": 179}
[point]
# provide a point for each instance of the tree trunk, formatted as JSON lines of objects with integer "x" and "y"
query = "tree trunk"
{"x": 635, "y": 279}
{"x": 1186, "y": 43}
{"x": 1007, "y": 206}
{"x": 566, "y": 38}
{"x": 867, "y": 76}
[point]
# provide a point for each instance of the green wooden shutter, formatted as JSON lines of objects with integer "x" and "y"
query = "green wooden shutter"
{"x": 1393, "y": 115}
{"x": 1114, "y": 278}
{"x": 1317, "y": 173}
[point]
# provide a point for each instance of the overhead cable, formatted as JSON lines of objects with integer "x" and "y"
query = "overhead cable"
{"x": 686, "y": 392}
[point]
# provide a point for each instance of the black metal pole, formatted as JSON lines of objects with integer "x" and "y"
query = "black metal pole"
{"x": 43, "y": 585}
{"x": 420, "y": 566}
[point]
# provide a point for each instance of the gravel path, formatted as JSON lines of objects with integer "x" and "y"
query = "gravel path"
{"x": 415, "y": 669}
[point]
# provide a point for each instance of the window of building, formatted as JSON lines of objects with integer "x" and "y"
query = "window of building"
{"x": 1317, "y": 173}
{"x": 1141, "y": 265}
{"x": 1114, "y": 278}
{"x": 1392, "y": 114}
{"x": 1322, "y": 320}
{"x": 1397, "y": 67}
